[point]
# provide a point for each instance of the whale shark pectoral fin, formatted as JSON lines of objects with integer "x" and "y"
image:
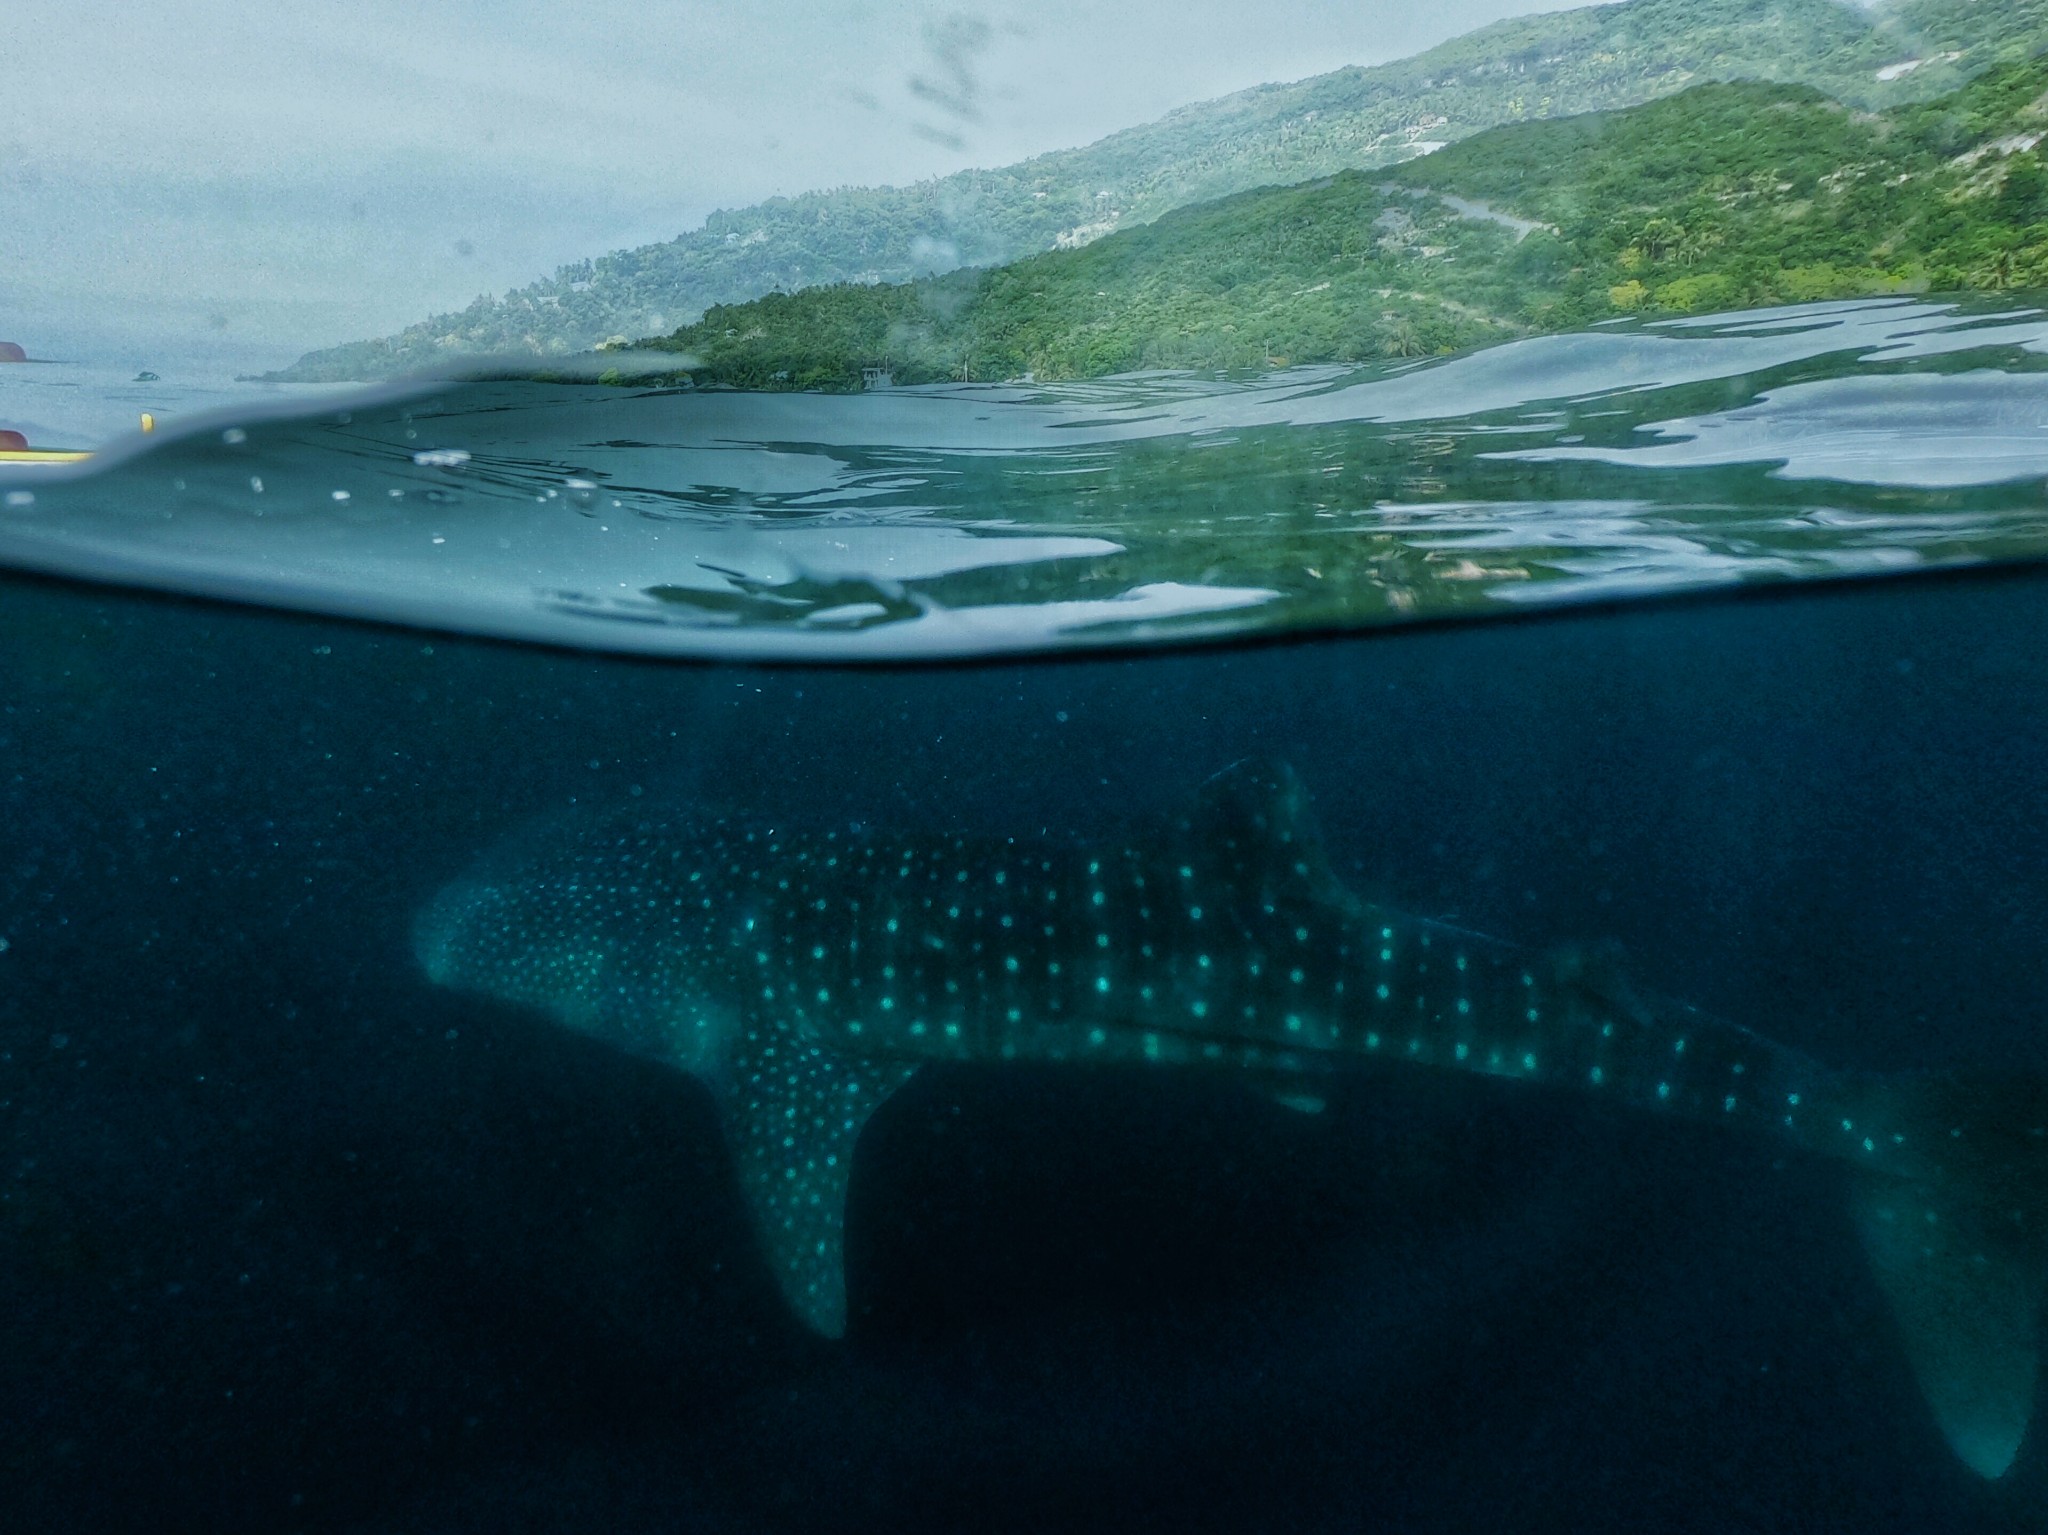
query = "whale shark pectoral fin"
{"x": 794, "y": 1111}
{"x": 1965, "y": 1289}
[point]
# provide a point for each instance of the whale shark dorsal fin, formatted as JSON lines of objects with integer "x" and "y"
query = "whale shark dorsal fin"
{"x": 1261, "y": 794}
{"x": 794, "y": 1111}
{"x": 1254, "y": 817}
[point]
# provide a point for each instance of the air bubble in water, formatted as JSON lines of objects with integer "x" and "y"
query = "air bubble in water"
{"x": 582, "y": 492}
{"x": 441, "y": 458}
{"x": 339, "y": 495}
{"x": 21, "y": 498}
{"x": 256, "y": 483}
{"x": 234, "y": 436}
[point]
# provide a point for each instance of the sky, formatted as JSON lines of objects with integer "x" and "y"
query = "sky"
{"x": 243, "y": 181}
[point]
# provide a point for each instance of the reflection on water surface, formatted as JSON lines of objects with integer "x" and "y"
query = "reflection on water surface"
{"x": 1833, "y": 439}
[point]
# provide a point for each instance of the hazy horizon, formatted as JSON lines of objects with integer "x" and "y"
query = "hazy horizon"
{"x": 198, "y": 185}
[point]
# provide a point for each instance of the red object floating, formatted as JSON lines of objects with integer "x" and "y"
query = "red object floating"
{"x": 11, "y": 352}
{"x": 11, "y": 441}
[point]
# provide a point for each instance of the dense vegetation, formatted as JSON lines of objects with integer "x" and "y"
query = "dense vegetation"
{"x": 1362, "y": 118}
{"x": 1724, "y": 196}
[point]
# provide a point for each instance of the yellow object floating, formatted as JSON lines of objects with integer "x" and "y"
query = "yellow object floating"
{"x": 60, "y": 455}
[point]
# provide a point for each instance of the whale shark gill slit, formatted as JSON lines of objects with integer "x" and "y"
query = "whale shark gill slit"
{"x": 806, "y": 975}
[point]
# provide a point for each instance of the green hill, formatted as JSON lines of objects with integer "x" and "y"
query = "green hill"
{"x": 1528, "y": 68}
{"x": 1724, "y": 196}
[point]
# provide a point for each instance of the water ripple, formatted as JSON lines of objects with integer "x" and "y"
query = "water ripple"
{"x": 1821, "y": 441}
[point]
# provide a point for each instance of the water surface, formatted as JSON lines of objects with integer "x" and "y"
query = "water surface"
{"x": 1826, "y": 440}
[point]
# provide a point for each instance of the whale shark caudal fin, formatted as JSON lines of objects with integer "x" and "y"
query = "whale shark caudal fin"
{"x": 793, "y": 1112}
{"x": 1961, "y": 1254}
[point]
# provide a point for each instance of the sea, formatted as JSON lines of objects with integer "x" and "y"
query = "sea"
{"x": 1703, "y": 662}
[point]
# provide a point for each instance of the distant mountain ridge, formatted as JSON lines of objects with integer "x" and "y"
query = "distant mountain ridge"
{"x": 1551, "y": 65}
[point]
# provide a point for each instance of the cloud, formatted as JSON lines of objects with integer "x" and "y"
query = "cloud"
{"x": 954, "y": 44}
{"x": 315, "y": 173}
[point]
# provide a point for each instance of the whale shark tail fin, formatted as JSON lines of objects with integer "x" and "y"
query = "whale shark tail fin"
{"x": 1960, "y": 1250}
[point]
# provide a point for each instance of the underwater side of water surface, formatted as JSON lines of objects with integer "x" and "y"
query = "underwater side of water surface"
{"x": 290, "y": 1240}
{"x": 1821, "y": 440}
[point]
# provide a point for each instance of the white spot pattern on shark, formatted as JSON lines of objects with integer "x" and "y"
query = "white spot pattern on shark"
{"x": 805, "y": 976}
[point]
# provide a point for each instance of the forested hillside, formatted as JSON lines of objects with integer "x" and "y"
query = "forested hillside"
{"x": 1362, "y": 118}
{"x": 1724, "y": 196}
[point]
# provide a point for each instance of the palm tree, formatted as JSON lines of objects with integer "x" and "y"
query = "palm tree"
{"x": 1996, "y": 273}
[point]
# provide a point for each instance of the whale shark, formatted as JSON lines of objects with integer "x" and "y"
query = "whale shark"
{"x": 804, "y": 976}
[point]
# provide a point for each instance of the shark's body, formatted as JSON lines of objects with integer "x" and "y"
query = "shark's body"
{"x": 805, "y": 976}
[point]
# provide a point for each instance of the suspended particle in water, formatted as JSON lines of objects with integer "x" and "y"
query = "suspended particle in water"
{"x": 441, "y": 458}
{"x": 20, "y": 500}
{"x": 234, "y": 436}
{"x": 582, "y": 492}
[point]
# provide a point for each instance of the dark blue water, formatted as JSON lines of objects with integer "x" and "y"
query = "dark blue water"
{"x": 298, "y": 1242}
{"x": 291, "y": 1240}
